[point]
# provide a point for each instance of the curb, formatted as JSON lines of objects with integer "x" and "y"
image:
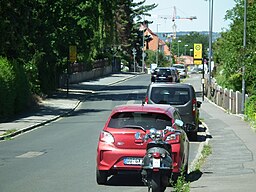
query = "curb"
{"x": 200, "y": 149}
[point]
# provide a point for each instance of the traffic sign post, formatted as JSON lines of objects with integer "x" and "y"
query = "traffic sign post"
{"x": 72, "y": 57}
{"x": 198, "y": 52}
{"x": 134, "y": 52}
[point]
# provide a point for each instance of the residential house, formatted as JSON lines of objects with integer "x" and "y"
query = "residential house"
{"x": 156, "y": 43}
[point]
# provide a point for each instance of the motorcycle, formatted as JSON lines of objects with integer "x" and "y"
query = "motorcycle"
{"x": 157, "y": 162}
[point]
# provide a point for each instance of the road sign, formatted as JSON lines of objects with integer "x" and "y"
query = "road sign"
{"x": 197, "y": 62}
{"x": 72, "y": 53}
{"x": 198, "y": 51}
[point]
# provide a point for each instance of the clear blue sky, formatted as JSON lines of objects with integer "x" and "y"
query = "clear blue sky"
{"x": 187, "y": 8}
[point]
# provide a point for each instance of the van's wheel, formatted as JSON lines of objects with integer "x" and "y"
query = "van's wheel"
{"x": 101, "y": 177}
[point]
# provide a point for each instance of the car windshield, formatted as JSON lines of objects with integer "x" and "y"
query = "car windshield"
{"x": 170, "y": 95}
{"x": 145, "y": 120}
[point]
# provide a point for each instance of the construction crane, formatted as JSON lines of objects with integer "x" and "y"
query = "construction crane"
{"x": 173, "y": 18}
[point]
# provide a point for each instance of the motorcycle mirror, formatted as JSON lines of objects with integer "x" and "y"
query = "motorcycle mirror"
{"x": 179, "y": 123}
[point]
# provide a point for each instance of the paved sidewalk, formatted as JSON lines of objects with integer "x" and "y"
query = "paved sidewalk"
{"x": 232, "y": 164}
{"x": 58, "y": 105}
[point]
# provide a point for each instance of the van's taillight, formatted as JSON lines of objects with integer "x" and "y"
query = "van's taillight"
{"x": 146, "y": 100}
{"x": 193, "y": 106}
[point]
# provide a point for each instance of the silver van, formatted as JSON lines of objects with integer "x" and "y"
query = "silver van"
{"x": 181, "y": 96}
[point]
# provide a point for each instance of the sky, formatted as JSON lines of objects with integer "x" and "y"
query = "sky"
{"x": 185, "y": 9}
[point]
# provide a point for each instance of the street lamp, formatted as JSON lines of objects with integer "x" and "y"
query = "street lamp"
{"x": 243, "y": 67}
{"x": 210, "y": 38}
{"x": 190, "y": 51}
{"x": 179, "y": 41}
{"x": 157, "y": 46}
{"x": 185, "y": 49}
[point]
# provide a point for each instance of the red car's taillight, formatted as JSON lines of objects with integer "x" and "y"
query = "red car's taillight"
{"x": 194, "y": 107}
{"x": 106, "y": 137}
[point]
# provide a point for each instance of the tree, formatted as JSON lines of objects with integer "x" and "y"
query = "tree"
{"x": 229, "y": 53}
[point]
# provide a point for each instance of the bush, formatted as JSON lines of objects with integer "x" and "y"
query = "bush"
{"x": 14, "y": 89}
{"x": 250, "y": 108}
{"x": 7, "y": 88}
{"x": 22, "y": 91}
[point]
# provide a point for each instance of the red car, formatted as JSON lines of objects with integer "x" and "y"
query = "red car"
{"x": 118, "y": 150}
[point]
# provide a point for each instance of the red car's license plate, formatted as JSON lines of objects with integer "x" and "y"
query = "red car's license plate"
{"x": 132, "y": 161}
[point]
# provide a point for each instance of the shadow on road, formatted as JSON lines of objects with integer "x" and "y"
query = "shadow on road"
{"x": 125, "y": 180}
{"x": 194, "y": 176}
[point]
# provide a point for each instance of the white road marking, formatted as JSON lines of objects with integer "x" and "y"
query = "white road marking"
{"x": 30, "y": 154}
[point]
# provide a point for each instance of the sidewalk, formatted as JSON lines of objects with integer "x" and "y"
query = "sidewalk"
{"x": 58, "y": 105}
{"x": 232, "y": 164}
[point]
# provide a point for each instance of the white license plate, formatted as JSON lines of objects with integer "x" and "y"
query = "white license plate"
{"x": 132, "y": 161}
{"x": 156, "y": 163}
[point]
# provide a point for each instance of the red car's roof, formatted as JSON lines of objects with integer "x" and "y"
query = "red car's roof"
{"x": 143, "y": 108}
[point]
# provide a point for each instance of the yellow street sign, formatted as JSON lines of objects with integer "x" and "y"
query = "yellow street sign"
{"x": 198, "y": 62}
{"x": 198, "y": 51}
{"x": 72, "y": 53}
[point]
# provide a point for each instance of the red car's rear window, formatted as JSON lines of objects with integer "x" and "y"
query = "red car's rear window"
{"x": 146, "y": 120}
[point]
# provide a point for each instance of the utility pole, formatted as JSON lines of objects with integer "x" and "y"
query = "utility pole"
{"x": 244, "y": 51}
{"x": 143, "y": 41}
{"x": 210, "y": 39}
{"x": 134, "y": 52}
{"x": 157, "y": 46}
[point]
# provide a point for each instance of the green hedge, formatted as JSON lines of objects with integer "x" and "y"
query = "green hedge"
{"x": 14, "y": 89}
{"x": 250, "y": 108}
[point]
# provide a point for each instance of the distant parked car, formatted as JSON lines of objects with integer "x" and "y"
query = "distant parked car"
{"x": 182, "y": 70}
{"x": 119, "y": 151}
{"x": 163, "y": 74}
{"x": 179, "y": 95}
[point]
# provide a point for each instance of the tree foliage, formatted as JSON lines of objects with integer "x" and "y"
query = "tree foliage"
{"x": 39, "y": 33}
{"x": 230, "y": 54}
{"x": 36, "y": 35}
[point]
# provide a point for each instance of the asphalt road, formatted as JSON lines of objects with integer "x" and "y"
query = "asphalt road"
{"x": 61, "y": 156}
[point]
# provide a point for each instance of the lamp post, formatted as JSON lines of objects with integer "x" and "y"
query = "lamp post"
{"x": 243, "y": 67}
{"x": 134, "y": 52}
{"x": 157, "y": 46}
{"x": 190, "y": 50}
{"x": 210, "y": 38}
{"x": 185, "y": 49}
{"x": 179, "y": 49}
